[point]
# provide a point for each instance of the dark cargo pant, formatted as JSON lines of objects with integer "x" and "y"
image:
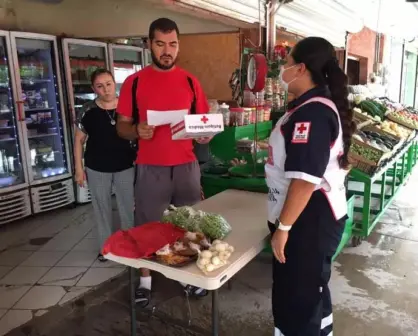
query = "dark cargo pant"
{"x": 156, "y": 187}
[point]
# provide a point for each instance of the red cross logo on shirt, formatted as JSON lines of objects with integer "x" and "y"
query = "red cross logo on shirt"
{"x": 204, "y": 119}
{"x": 302, "y": 128}
{"x": 301, "y": 132}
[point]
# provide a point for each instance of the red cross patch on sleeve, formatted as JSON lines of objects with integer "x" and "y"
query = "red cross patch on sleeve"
{"x": 301, "y": 132}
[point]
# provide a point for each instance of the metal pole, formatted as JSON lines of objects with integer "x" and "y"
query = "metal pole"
{"x": 415, "y": 86}
{"x": 271, "y": 14}
{"x": 215, "y": 313}
{"x": 402, "y": 65}
{"x": 347, "y": 36}
{"x": 133, "y": 304}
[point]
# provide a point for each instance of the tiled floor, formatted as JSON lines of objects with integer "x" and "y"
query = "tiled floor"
{"x": 48, "y": 260}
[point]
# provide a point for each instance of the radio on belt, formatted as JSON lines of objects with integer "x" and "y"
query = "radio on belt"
{"x": 196, "y": 126}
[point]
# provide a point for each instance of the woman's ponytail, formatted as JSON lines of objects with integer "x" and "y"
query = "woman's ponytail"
{"x": 319, "y": 57}
{"x": 337, "y": 83}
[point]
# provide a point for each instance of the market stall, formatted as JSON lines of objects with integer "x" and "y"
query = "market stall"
{"x": 383, "y": 156}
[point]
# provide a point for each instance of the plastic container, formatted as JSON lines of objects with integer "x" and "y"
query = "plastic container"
{"x": 247, "y": 115}
{"x": 267, "y": 113}
{"x": 260, "y": 114}
{"x": 237, "y": 116}
{"x": 276, "y": 86}
{"x": 253, "y": 114}
{"x": 224, "y": 109}
{"x": 213, "y": 106}
{"x": 269, "y": 86}
{"x": 248, "y": 98}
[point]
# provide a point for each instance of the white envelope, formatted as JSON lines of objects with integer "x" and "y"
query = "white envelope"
{"x": 159, "y": 118}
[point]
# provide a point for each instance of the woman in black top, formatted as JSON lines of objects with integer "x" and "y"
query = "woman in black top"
{"x": 108, "y": 159}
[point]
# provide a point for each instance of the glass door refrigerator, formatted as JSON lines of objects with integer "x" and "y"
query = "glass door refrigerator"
{"x": 124, "y": 61}
{"x": 81, "y": 59}
{"x": 14, "y": 191}
{"x": 41, "y": 110}
{"x": 147, "y": 57}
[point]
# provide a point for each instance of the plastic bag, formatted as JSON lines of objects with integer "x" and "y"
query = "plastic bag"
{"x": 214, "y": 226}
{"x": 214, "y": 258}
{"x": 183, "y": 217}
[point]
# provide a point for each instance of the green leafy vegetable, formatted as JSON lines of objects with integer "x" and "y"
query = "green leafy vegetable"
{"x": 214, "y": 226}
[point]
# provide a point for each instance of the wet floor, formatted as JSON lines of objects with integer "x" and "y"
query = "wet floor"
{"x": 374, "y": 288}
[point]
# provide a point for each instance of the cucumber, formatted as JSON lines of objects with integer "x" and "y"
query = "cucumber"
{"x": 366, "y": 106}
{"x": 372, "y": 109}
{"x": 381, "y": 107}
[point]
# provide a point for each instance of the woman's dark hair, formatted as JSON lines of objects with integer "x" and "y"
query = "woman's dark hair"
{"x": 99, "y": 72}
{"x": 320, "y": 59}
{"x": 163, "y": 25}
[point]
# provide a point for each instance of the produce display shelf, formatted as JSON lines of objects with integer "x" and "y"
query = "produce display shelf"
{"x": 348, "y": 229}
{"x": 213, "y": 184}
{"x": 388, "y": 180}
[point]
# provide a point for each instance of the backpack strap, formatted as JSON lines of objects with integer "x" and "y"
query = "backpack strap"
{"x": 135, "y": 110}
{"x": 193, "y": 106}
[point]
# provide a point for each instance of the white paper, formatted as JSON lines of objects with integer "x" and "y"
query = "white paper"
{"x": 159, "y": 118}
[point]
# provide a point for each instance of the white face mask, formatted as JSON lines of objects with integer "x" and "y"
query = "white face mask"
{"x": 285, "y": 85}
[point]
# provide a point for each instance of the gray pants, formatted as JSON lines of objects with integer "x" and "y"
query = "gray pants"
{"x": 157, "y": 187}
{"x": 100, "y": 185}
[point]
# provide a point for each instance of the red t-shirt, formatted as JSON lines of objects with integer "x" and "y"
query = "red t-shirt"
{"x": 162, "y": 91}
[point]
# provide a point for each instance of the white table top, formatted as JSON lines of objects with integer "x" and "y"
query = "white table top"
{"x": 246, "y": 212}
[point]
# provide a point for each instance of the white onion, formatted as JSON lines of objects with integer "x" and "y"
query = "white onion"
{"x": 204, "y": 261}
{"x": 216, "y": 261}
{"x": 223, "y": 256}
{"x": 220, "y": 247}
{"x": 206, "y": 254}
{"x": 210, "y": 267}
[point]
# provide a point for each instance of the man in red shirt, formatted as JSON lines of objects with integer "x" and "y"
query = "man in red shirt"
{"x": 167, "y": 170}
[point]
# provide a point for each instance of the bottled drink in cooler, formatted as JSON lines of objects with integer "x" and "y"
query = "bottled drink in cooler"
{"x": 44, "y": 96}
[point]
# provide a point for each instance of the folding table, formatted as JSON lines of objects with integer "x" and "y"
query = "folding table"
{"x": 246, "y": 212}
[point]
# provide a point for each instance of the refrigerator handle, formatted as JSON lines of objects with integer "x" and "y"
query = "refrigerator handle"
{"x": 20, "y": 110}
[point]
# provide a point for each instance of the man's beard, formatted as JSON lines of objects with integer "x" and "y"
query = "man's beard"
{"x": 160, "y": 65}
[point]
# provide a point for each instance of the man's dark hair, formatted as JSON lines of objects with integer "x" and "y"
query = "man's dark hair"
{"x": 163, "y": 25}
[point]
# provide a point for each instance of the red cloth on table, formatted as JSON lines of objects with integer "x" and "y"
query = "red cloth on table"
{"x": 142, "y": 241}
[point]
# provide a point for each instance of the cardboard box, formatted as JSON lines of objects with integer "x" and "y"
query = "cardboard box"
{"x": 198, "y": 126}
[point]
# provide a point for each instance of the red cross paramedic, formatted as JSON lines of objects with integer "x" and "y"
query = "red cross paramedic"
{"x": 305, "y": 174}
{"x": 167, "y": 170}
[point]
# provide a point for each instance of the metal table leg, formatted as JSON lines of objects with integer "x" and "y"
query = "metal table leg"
{"x": 215, "y": 313}
{"x": 133, "y": 304}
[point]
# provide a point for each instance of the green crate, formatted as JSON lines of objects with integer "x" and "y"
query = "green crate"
{"x": 223, "y": 145}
